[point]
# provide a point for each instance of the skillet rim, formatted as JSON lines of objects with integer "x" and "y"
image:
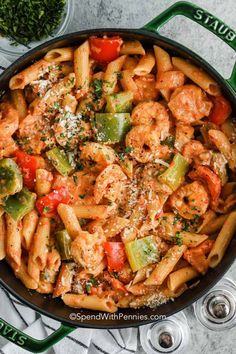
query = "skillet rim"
{"x": 227, "y": 263}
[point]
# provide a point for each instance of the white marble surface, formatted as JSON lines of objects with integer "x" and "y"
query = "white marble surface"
{"x": 134, "y": 14}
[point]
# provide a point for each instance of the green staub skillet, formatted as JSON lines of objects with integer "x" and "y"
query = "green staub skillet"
{"x": 55, "y": 308}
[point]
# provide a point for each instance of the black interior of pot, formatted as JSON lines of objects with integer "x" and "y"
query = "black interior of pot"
{"x": 55, "y": 308}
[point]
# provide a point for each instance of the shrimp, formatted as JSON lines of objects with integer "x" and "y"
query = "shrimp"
{"x": 80, "y": 186}
{"x": 146, "y": 88}
{"x": 190, "y": 200}
{"x": 220, "y": 140}
{"x": 169, "y": 225}
{"x": 183, "y": 134}
{"x": 189, "y": 103}
{"x": 109, "y": 183}
{"x": 35, "y": 131}
{"x": 102, "y": 155}
{"x": 7, "y": 147}
{"x": 150, "y": 113}
{"x": 197, "y": 256}
{"x": 70, "y": 129}
{"x": 145, "y": 142}
{"x": 9, "y": 122}
{"x": 87, "y": 249}
{"x": 213, "y": 182}
{"x": 194, "y": 150}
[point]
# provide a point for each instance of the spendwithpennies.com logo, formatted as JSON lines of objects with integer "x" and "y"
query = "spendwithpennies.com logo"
{"x": 77, "y": 316}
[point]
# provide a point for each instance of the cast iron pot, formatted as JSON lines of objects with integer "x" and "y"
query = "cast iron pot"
{"x": 54, "y": 308}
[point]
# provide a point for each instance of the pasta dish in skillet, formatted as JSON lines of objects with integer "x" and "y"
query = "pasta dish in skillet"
{"x": 117, "y": 175}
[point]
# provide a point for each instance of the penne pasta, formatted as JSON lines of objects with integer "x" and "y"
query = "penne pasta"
{"x": 188, "y": 239}
{"x": 26, "y": 279}
{"x": 143, "y": 274}
{"x": 214, "y": 225}
{"x": 13, "y": 242}
{"x": 19, "y": 103}
{"x": 67, "y": 68}
{"x": 166, "y": 265}
{"x": 197, "y": 75}
{"x": 25, "y": 77}
{"x": 53, "y": 260}
{"x": 222, "y": 240}
{"x": 39, "y": 247}
{"x": 69, "y": 219}
{"x": 93, "y": 211}
{"x": 169, "y": 294}
{"x": 125, "y": 301}
{"x": 91, "y": 302}
{"x": 98, "y": 76}
{"x": 163, "y": 60}
{"x": 29, "y": 224}
{"x": 3, "y": 235}
{"x": 178, "y": 278}
{"x": 127, "y": 82}
{"x": 64, "y": 280}
{"x": 58, "y": 55}
{"x": 44, "y": 288}
{"x": 82, "y": 68}
{"x": 110, "y": 75}
{"x": 141, "y": 289}
{"x": 130, "y": 63}
{"x": 132, "y": 48}
{"x": 145, "y": 64}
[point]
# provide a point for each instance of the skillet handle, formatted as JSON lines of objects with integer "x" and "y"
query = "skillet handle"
{"x": 202, "y": 17}
{"x": 29, "y": 343}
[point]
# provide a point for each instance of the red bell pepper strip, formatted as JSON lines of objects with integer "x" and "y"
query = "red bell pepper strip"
{"x": 47, "y": 205}
{"x": 105, "y": 49}
{"x": 116, "y": 256}
{"x": 211, "y": 179}
{"x": 28, "y": 165}
{"x": 220, "y": 111}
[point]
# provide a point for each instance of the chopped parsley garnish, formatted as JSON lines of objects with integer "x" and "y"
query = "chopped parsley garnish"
{"x": 178, "y": 239}
{"x": 88, "y": 287}
{"x": 119, "y": 75}
{"x": 79, "y": 166}
{"x": 46, "y": 209}
{"x": 128, "y": 149}
{"x": 75, "y": 179}
{"x": 82, "y": 196}
{"x": 97, "y": 89}
{"x": 26, "y": 21}
{"x": 55, "y": 106}
{"x": 176, "y": 219}
{"x": 169, "y": 141}
{"x": 91, "y": 282}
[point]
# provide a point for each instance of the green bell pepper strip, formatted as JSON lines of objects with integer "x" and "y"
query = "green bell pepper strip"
{"x": 60, "y": 161}
{"x": 111, "y": 127}
{"x": 63, "y": 243}
{"x": 11, "y": 180}
{"x": 119, "y": 102}
{"x": 175, "y": 173}
{"x": 142, "y": 252}
{"x": 20, "y": 204}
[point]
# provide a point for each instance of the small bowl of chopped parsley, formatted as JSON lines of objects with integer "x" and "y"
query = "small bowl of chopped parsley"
{"x": 25, "y": 24}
